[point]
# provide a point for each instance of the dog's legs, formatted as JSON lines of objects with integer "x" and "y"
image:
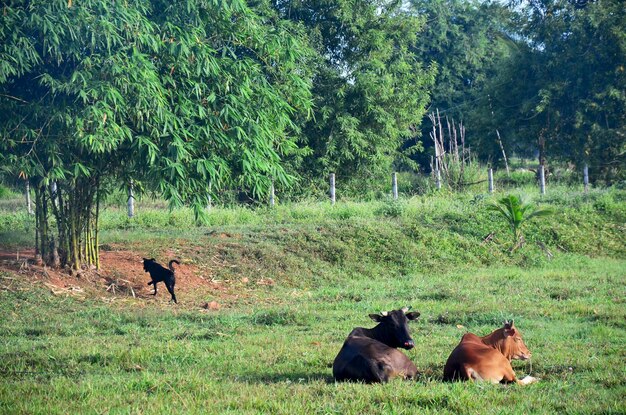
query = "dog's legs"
{"x": 170, "y": 288}
{"x": 155, "y": 289}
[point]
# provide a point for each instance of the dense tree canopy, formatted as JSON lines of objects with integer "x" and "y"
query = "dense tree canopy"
{"x": 173, "y": 95}
{"x": 369, "y": 88}
{"x": 468, "y": 40}
{"x": 548, "y": 74}
{"x": 188, "y": 97}
{"x": 574, "y": 103}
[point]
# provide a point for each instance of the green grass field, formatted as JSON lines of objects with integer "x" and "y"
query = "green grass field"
{"x": 269, "y": 348}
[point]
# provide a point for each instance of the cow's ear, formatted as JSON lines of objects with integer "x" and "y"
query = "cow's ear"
{"x": 413, "y": 315}
{"x": 508, "y": 332}
{"x": 376, "y": 317}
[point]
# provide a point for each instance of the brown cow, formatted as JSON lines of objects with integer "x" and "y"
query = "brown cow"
{"x": 488, "y": 358}
{"x": 371, "y": 355}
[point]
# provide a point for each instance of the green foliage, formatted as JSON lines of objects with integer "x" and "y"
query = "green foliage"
{"x": 410, "y": 183}
{"x": 458, "y": 221}
{"x": 463, "y": 174}
{"x": 6, "y": 193}
{"x": 466, "y": 42}
{"x": 515, "y": 212}
{"x": 184, "y": 98}
{"x": 172, "y": 115}
{"x": 526, "y": 71}
{"x": 391, "y": 209}
{"x": 572, "y": 101}
{"x": 516, "y": 178}
{"x": 368, "y": 87}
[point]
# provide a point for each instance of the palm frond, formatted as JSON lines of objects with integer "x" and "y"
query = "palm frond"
{"x": 540, "y": 213}
{"x": 516, "y": 213}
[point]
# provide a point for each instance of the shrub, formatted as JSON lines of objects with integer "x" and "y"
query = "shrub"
{"x": 516, "y": 213}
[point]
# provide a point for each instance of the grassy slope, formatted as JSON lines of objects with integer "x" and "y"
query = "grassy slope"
{"x": 270, "y": 349}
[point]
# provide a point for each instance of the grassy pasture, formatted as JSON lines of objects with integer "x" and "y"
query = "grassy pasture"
{"x": 270, "y": 347}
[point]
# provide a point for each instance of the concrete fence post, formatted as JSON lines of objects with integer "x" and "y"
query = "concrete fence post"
{"x": 491, "y": 186}
{"x": 394, "y": 185}
{"x": 272, "y": 194}
{"x": 542, "y": 180}
{"x": 29, "y": 205}
{"x": 131, "y": 200}
{"x": 332, "y": 188}
{"x": 209, "y": 205}
{"x": 54, "y": 194}
{"x": 586, "y": 177}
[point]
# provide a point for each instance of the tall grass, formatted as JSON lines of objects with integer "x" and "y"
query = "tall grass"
{"x": 269, "y": 349}
{"x": 589, "y": 223}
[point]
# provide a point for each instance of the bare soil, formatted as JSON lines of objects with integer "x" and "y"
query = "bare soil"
{"x": 121, "y": 277}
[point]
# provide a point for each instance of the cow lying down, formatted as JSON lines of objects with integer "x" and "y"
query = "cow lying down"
{"x": 371, "y": 355}
{"x": 488, "y": 358}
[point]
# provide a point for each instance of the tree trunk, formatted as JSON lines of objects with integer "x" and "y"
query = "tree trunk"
{"x": 75, "y": 207}
{"x": 541, "y": 143}
{"x": 506, "y": 163}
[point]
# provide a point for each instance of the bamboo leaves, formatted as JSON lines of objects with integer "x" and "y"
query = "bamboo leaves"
{"x": 105, "y": 91}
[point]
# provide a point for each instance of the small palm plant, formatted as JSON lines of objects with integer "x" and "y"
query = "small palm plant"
{"x": 516, "y": 213}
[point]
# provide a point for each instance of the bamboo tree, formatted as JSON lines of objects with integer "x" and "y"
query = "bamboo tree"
{"x": 175, "y": 95}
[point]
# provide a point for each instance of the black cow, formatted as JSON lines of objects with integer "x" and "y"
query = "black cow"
{"x": 371, "y": 355}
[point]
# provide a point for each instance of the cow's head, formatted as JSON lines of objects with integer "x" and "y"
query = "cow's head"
{"x": 394, "y": 327}
{"x": 513, "y": 346}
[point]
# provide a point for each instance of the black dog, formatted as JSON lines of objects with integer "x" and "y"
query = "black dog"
{"x": 159, "y": 273}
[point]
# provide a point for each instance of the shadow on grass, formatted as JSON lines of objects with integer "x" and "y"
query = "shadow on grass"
{"x": 294, "y": 378}
{"x": 425, "y": 374}
{"x": 430, "y": 372}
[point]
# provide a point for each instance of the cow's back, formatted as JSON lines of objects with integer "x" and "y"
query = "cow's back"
{"x": 368, "y": 360}
{"x": 472, "y": 359}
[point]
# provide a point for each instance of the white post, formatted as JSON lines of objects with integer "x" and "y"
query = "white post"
{"x": 272, "y": 194}
{"x": 490, "y": 175}
{"x": 542, "y": 180}
{"x": 332, "y": 188}
{"x": 586, "y": 177}
{"x": 131, "y": 201}
{"x": 208, "y": 206}
{"x": 438, "y": 177}
{"x": 54, "y": 194}
{"x": 29, "y": 205}
{"x": 394, "y": 185}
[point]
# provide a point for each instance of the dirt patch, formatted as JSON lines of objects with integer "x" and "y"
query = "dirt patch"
{"x": 128, "y": 265}
{"x": 121, "y": 275}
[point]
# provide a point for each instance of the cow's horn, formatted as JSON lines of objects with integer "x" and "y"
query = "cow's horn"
{"x": 405, "y": 309}
{"x": 384, "y": 313}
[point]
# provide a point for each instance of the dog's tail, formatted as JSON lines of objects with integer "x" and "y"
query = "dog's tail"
{"x": 170, "y": 264}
